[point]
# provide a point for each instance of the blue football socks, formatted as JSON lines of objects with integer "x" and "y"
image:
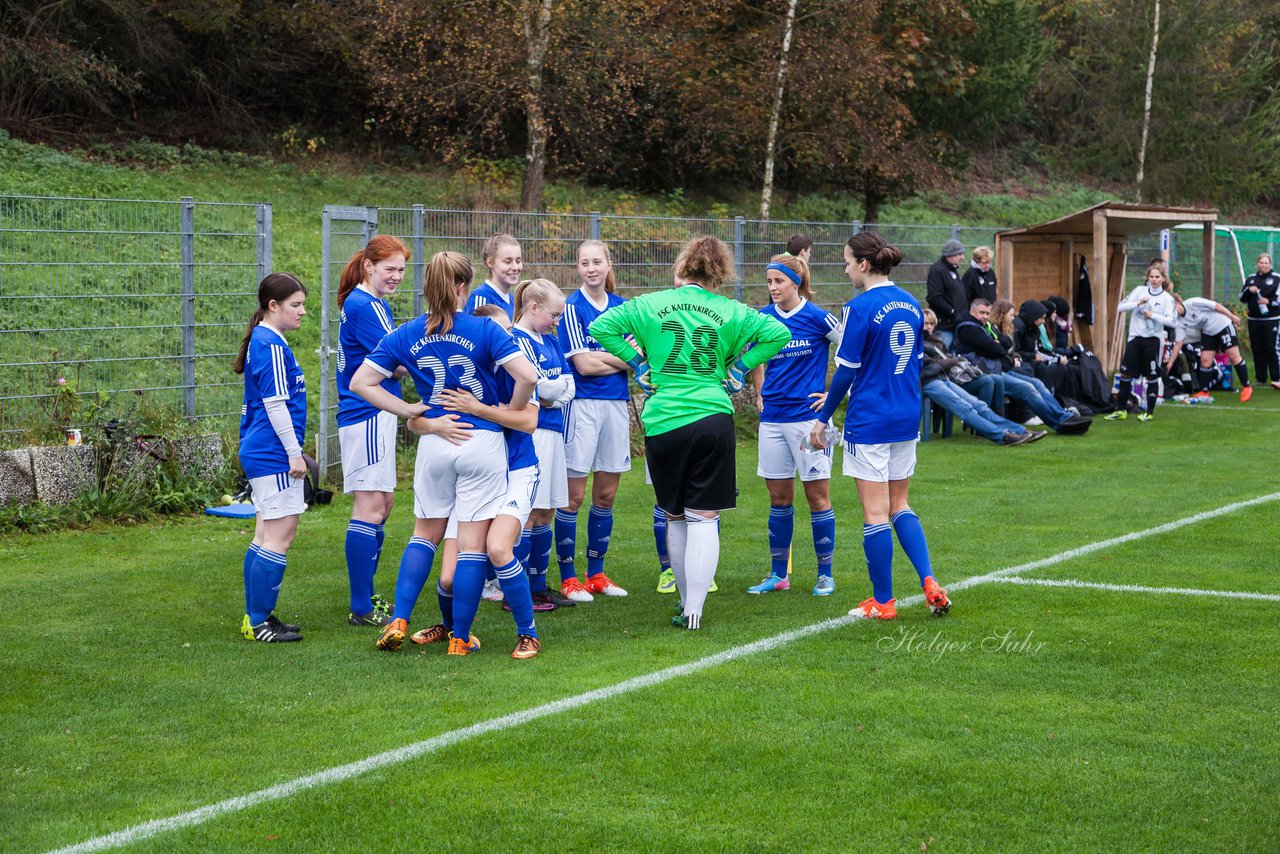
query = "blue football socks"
{"x": 906, "y": 524}
{"x": 599, "y": 532}
{"x": 515, "y": 589}
{"x": 415, "y": 569}
{"x": 781, "y": 529}
{"x": 824, "y": 539}
{"x": 877, "y": 545}
{"x": 566, "y": 542}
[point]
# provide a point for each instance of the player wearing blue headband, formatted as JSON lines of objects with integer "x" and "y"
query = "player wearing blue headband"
{"x": 791, "y": 387}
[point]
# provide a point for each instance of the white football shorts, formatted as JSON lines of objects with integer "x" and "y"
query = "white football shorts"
{"x": 469, "y": 480}
{"x": 369, "y": 454}
{"x": 275, "y": 496}
{"x": 780, "y": 454}
{"x": 880, "y": 463}
{"x": 553, "y": 481}
{"x": 597, "y": 437}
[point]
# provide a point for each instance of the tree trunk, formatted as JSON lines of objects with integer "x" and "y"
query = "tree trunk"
{"x": 766, "y": 195}
{"x": 1146, "y": 107}
{"x": 537, "y": 33}
{"x": 872, "y": 198}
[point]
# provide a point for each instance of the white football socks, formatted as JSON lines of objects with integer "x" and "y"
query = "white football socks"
{"x": 677, "y": 532}
{"x": 702, "y": 553}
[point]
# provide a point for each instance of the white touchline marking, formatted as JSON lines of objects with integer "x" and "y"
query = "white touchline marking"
{"x": 1244, "y": 407}
{"x": 341, "y": 773}
{"x": 1137, "y": 588}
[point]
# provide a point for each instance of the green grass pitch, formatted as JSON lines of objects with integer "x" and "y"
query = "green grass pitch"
{"x": 1031, "y": 718}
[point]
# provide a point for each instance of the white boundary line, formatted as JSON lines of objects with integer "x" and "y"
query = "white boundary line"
{"x": 1244, "y": 407}
{"x": 340, "y": 773}
{"x": 1136, "y": 588}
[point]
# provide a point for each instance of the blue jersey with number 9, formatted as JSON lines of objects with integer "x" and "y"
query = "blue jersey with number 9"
{"x": 466, "y": 357}
{"x": 882, "y": 341}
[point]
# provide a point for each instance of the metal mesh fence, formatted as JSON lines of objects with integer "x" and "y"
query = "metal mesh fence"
{"x": 643, "y": 249}
{"x": 123, "y": 304}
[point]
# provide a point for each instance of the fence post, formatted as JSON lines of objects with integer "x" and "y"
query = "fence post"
{"x": 187, "y": 238}
{"x": 595, "y": 225}
{"x": 739, "y": 253}
{"x": 955, "y": 232}
{"x": 264, "y": 241}
{"x": 419, "y": 260}
{"x": 322, "y": 433}
{"x": 857, "y": 226}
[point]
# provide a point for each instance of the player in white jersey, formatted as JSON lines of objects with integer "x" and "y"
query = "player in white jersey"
{"x": 791, "y": 389}
{"x": 504, "y": 260}
{"x": 878, "y": 365}
{"x": 597, "y": 428}
{"x": 366, "y": 434}
{"x": 446, "y": 349}
{"x": 272, "y": 424}
{"x": 1213, "y": 326}
{"x": 1153, "y": 311}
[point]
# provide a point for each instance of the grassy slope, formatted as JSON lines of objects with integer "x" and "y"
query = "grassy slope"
{"x": 1134, "y": 727}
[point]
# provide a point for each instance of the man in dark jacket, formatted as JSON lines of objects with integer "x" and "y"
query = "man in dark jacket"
{"x": 944, "y": 290}
{"x": 982, "y": 344}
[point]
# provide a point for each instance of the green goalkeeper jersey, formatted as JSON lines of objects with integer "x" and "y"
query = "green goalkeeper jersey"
{"x": 690, "y": 337}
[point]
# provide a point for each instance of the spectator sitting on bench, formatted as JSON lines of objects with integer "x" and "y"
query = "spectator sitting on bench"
{"x": 941, "y": 377}
{"x": 987, "y": 342}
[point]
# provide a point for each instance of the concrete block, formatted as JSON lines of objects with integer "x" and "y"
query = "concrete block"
{"x": 17, "y": 485}
{"x": 61, "y": 472}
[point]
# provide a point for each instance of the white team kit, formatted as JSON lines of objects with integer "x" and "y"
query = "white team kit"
{"x": 597, "y": 430}
{"x": 597, "y": 436}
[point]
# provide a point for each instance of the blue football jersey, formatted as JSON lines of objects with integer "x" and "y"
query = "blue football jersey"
{"x": 486, "y": 294}
{"x": 882, "y": 340}
{"x": 579, "y": 312}
{"x": 270, "y": 372}
{"x": 800, "y": 368}
{"x": 467, "y": 356}
{"x": 545, "y": 353}
{"x": 365, "y": 319}
{"x": 520, "y": 450}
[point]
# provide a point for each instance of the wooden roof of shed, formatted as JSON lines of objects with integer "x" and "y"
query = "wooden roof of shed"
{"x": 1123, "y": 220}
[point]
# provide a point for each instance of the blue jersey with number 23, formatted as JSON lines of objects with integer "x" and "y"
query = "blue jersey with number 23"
{"x": 466, "y": 357}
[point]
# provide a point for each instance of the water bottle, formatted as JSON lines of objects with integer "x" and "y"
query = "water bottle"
{"x": 829, "y": 438}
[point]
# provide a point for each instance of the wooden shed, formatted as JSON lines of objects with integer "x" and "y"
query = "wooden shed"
{"x": 1043, "y": 260}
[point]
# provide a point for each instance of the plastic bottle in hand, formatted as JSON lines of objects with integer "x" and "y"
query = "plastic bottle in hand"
{"x": 829, "y": 438}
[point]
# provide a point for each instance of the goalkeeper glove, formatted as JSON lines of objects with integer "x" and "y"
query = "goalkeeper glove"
{"x": 641, "y": 368}
{"x": 736, "y": 378}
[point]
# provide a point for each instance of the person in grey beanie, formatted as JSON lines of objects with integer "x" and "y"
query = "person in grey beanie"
{"x": 944, "y": 291}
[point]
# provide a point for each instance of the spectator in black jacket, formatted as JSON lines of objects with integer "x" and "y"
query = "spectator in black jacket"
{"x": 944, "y": 290}
{"x": 1061, "y": 317}
{"x": 979, "y": 341}
{"x": 1261, "y": 296}
{"x": 945, "y": 378}
{"x": 980, "y": 280}
{"x": 1031, "y": 338}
